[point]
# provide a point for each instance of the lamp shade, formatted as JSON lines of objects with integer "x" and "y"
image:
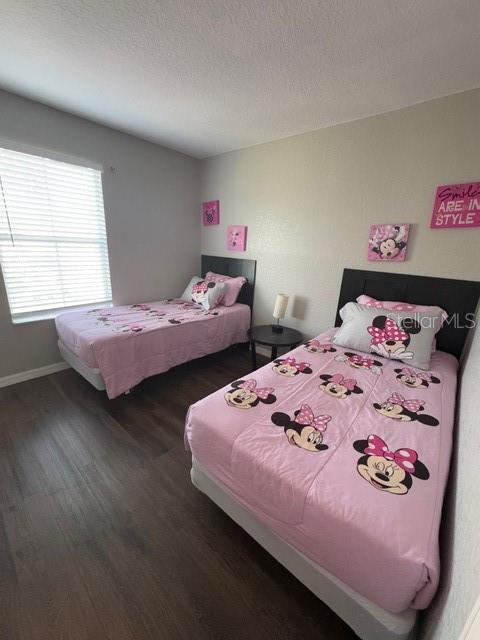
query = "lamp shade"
{"x": 281, "y": 303}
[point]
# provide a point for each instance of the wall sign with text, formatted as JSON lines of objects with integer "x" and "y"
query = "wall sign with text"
{"x": 456, "y": 206}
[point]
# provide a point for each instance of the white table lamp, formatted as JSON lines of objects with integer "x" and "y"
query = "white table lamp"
{"x": 281, "y": 303}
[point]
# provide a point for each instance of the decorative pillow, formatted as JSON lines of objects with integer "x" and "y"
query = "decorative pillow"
{"x": 232, "y": 286}
{"x": 400, "y": 306}
{"x": 208, "y": 294}
{"x": 400, "y": 335}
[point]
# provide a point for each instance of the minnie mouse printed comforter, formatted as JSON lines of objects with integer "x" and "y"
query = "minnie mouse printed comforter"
{"x": 345, "y": 456}
{"x": 131, "y": 343}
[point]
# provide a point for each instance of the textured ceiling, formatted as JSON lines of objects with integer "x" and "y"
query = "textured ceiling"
{"x": 207, "y": 76}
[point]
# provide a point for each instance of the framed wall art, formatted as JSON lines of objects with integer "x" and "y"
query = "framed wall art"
{"x": 236, "y": 238}
{"x": 388, "y": 242}
{"x": 211, "y": 212}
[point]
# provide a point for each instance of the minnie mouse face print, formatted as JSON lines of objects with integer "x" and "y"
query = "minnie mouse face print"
{"x": 245, "y": 394}
{"x": 204, "y": 312}
{"x": 399, "y": 408}
{"x": 388, "y": 242}
{"x": 339, "y": 387}
{"x": 315, "y": 346}
{"x": 200, "y": 290}
{"x": 131, "y": 327}
{"x": 357, "y": 361}
{"x": 389, "y": 471}
{"x": 416, "y": 379}
{"x": 305, "y": 430}
{"x": 141, "y": 307}
{"x": 289, "y": 367}
{"x": 391, "y": 340}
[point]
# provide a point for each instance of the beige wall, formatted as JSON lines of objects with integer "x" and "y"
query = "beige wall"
{"x": 151, "y": 210}
{"x": 308, "y": 202}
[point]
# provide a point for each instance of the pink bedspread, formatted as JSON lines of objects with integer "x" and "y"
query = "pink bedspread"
{"x": 344, "y": 457}
{"x": 130, "y": 343}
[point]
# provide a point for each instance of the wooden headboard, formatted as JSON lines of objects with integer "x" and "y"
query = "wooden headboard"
{"x": 234, "y": 267}
{"x": 459, "y": 298}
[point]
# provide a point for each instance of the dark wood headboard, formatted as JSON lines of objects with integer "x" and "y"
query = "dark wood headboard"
{"x": 459, "y": 298}
{"x": 234, "y": 267}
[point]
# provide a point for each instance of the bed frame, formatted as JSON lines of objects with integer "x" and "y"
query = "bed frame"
{"x": 224, "y": 265}
{"x": 368, "y": 620}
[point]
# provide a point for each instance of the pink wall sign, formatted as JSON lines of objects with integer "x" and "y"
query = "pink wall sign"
{"x": 456, "y": 206}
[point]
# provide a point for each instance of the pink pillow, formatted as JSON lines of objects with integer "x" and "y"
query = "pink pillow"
{"x": 400, "y": 306}
{"x": 232, "y": 286}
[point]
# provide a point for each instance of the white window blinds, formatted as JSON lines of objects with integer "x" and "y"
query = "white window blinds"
{"x": 53, "y": 243}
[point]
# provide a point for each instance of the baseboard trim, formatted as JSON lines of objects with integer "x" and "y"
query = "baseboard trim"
{"x": 23, "y": 376}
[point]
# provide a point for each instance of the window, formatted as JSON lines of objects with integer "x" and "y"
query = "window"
{"x": 53, "y": 242}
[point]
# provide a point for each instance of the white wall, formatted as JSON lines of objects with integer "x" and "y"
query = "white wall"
{"x": 308, "y": 202}
{"x": 151, "y": 210}
{"x": 460, "y": 584}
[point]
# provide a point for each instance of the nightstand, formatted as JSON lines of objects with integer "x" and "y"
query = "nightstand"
{"x": 264, "y": 334}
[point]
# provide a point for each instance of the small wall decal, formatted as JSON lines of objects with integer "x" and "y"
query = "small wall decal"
{"x": 456, "y": 206}
{"x": 388, "y": 242}
{"x": 211, "y": 212}
{"x": 236, "y": 238}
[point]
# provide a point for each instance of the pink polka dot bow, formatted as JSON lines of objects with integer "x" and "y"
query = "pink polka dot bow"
{"x": 411, "y": 373}
{"x": 391, "y": 331}
{"x": 361, "y": 361}
{"x": 349, "y": 383}
{"x": 251, "y": 385}
{"x": 306, "y": 418}
{"x": 319, "y": 345}
{"x": 200, "y": 287}
{"x": 410, "y": 405}
{"x": 293, "y": 363}
{"x": 404, "y": 458}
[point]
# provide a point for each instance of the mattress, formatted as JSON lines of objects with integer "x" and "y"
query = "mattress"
{"x": 344, "y": 457}
{"x": 130, "y": 343}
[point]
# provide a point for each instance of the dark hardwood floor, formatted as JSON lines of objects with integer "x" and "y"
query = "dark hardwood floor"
{"x": 103, "y": 536}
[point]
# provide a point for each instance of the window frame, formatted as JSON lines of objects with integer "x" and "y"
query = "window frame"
{"x": 78, "y": 161}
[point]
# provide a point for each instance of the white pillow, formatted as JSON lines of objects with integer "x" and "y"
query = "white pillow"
{"x": 401, "y": 335}
{"x": 208, "y": 294}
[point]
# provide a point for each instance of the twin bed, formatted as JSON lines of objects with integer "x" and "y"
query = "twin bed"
{"x": 353, "y": 508}
{"x": 115, "y": 348}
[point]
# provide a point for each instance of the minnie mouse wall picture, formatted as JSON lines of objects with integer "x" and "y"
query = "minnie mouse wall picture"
{"x": 236, "y": 237}
{"x": 211, "y": 213}
{"x": 388, "y": 242}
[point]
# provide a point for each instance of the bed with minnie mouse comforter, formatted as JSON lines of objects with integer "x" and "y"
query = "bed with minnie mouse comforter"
{"x": 343, "y": 455}
{"x": 130, "y": 343}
